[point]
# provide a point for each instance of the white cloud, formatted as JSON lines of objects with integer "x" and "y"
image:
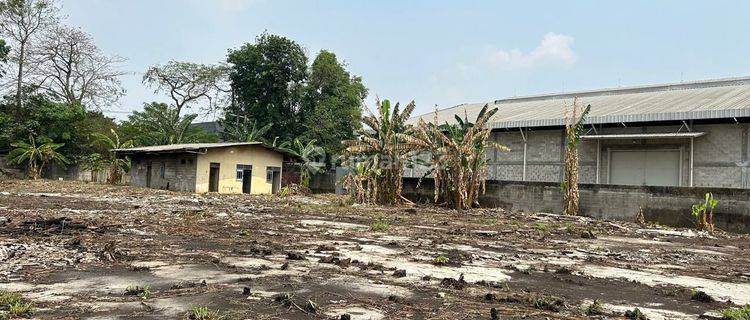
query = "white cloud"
{"x": 554, "y": 49}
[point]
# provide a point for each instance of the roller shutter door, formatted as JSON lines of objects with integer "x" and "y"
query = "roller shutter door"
{"x": 645, "y": 167}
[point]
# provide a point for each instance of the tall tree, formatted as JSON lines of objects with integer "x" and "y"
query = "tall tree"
{"x": 267, "y": 79}
{"x": 160, "y": 123}
{"x": 20, "y": 22}
{"x": 332, "y": 104}
{"x": 75, "y": 71}
{"x": 188, "y": 82}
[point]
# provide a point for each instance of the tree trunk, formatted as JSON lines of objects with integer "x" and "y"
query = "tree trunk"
{"x": 19, "y": 81}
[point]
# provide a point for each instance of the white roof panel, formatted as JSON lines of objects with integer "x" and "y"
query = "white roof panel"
{"x": 710, "y": 99}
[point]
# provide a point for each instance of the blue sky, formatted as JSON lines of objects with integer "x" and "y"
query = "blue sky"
{"x": 438, "y": 52}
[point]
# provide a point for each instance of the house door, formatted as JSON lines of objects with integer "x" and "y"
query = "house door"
{"x": 247, "y": 178}
{"x": 273, "y": 176}
{"x": 148, "y": 175}
{"x": 213, "y": 178}
{"x": 645, "y": 167}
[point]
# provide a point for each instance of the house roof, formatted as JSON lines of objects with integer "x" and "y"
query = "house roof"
{"x": 194, "y": 148}
{"x": 707, "y": 99}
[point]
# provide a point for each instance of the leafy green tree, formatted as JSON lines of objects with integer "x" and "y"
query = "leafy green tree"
{"x": 267, "y": 79}
{"x": 332, "y": 103}
{"x": 307, "y": 154}
{"x": 36, "y": 156}
{"x": 117, "y": 166}
{"x": 160, "y": 124}
{"x": 49, "y": 121}
{"x": 86, "y": 128}
{"x": 44, "y": 119}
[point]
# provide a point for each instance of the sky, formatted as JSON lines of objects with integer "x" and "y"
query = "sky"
{"x": 437, "y": 53}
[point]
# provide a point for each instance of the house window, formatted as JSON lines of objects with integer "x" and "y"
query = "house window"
{"x": 162, "y": 170}
{"x": 269, "y": 175}
{"x": 183, "y": 161}
{"x": 241, "y": 168}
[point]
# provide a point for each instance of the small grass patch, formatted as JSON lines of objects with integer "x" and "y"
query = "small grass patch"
{"x": 542, "y": 227}
{"x": 245, "y": 232}
{"x": 143, "y": 292}
{"x": 549, "y": 303}
{"x": 13, "y": 305}
{"x": 441, "y": 260}
{"x": 736, "y": 313}
{"x": 204, "y": 313}
{"x": 379, "y": 226}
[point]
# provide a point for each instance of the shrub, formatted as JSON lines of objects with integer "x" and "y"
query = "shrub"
{"x": 736, "y": 313}
{"x": 704, "y": 213}
{"x": 13, "y": 305}
{"x": 204, "y": 313}
{"x": 441, "y": 260}
{"x": 143, "y": 292}
{"x": 379, "y": 226}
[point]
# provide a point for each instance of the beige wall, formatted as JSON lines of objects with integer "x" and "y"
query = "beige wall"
{"x": 228, "y": 158}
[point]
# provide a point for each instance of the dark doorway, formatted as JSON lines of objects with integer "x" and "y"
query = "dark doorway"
{"x": 213, "y": 177}
{"x": 273, "y": 176}
{"x": 148, "y": 175}
{"x": 247, "y": 179}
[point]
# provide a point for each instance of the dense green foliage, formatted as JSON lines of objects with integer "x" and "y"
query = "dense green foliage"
{"x": 117, "y": 166}
{"x": 49, "y": 121}
{"x": 307, "y": 154}
{"x": 267, "y": 79}
{"x": 332, "y": 103}
{"x": 377, "y": 157}
{"x": 272, "y": 85}
{"x": 36, "y": 156}
{"x": 160, "y": 123}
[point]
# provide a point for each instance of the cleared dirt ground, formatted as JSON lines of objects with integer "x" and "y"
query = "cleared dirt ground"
{"x": 73, "y": 248}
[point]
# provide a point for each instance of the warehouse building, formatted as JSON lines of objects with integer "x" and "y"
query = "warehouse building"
{"x": 684, "y": 134}
{"x": 227, "y": 167}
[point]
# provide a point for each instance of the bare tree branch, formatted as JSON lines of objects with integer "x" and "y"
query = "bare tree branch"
{"x": 21, "y": 21}
{"x": 74, "y": 70}
{"x": 188, "y": 82}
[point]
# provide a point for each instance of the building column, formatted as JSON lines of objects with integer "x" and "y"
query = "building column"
{"x": 692, "y": 142}
{"x": 598, "y": 158}
{"x": 523, "y": 174}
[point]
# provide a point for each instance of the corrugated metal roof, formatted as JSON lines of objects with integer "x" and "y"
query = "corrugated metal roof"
{"x": 644, "y": 135}
{"x": 193, "y": 147}
{"x": 709, "y": 99}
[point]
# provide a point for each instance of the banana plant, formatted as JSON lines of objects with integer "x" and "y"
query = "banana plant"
{"x": 117, "y": 166}
{"x": 36, "y": 156}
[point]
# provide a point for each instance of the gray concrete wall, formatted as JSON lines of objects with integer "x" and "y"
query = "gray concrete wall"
{"x": 666, "y": 205}
{"x": 720, "y": 157}
{"x": 179, "y": 171}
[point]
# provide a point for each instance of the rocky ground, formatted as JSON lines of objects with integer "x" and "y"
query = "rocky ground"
{"x": 91, "y": 251}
